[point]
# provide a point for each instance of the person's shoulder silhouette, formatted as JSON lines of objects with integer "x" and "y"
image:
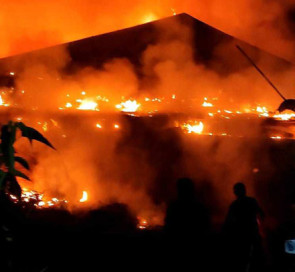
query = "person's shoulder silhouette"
{"x": 186, "y": 214}
{"x": 243, "y": 212}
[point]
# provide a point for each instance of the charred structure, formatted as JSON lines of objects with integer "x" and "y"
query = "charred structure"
{"x": 133, "y": 110}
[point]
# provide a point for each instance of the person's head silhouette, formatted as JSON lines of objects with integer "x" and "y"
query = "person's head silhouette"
{"x": 185, "y": 188}
{"x": 240, "y": 189}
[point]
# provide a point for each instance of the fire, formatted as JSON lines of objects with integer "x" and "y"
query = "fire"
{"x": 128, "y": 106}
{"x": 197, "y": 127}
{"x": 142, "y": 223}
{"x": 2, "y": 103}
{"x": 44, "y": 126}
{"x": 98, "y": 125}
{"x": 206, "y": 104}
{"x": 69, "y": 105}
{"x": 149, "y": 18}
{"x": 87, "y": 104}
{"x": 173, "y": 11}
{"x": 37, "y": 200}
{"x": 262, "y": 111}
{"x": 284, "y": 116}
{"x": 276, "y": 137}
{"x": 84, "y": 197}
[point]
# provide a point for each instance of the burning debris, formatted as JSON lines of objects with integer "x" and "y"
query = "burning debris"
{"x": 196, "y": 127}
{"x": 33, "y": 198}
{"x": 128, "y": 106}
{"x": 98, "y": 106}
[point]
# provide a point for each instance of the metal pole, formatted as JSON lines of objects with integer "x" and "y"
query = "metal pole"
{"x": 259, "y": 70}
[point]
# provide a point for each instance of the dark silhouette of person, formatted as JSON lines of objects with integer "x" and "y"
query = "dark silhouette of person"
{"x": 242, "y": 231}
{"x": 186, "y": 215}
{"x": 186, "y": 226}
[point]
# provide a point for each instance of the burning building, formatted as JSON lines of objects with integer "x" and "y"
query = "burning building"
{"x": 133, "y": 110}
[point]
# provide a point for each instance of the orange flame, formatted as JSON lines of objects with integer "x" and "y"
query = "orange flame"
{"x": 84, "y": 197}
{"x": 197, "y": 127}
{"x": 87, "y": 104}
{"x": 128, "y": 106}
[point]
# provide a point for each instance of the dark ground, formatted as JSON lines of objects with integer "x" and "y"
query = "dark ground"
{"x": 107, "y": 239}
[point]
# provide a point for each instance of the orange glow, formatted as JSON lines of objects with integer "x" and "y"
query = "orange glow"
{"x": 142, "y": 223}
{"x": 88, "y": 104}
{"x": 149, "y": 18}
{"x": 44, "y": 126}
{"x": 32, "y": 29}
{"x": 84, "y": 197}
{"x": 173, "y": 11}
{"x": 128, "y": 106}
{"x": 69, "y": 105}
{"x": 2, "y": 103}
{"x": 38, "y": 200}
{"x": 206, "y": 104}
{"x": 98, "y": 125}
{"x": 196, "y": 127}
{"x": 276, "y": 137}
{"x": 177, "y": 90}
{"x": 284, "y": 116}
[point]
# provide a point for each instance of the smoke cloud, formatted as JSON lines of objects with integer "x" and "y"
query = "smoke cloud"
{"x": 139, "y": 161}
{"x": 31, "y": 25}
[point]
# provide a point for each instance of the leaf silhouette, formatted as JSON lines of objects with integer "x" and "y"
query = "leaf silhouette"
{"x": 20, "y": 174}
{"x": 33, "y": 134}
{"x": 22, "y": 161}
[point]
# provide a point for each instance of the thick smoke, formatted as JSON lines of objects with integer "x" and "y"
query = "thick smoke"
{"x": 31, "y": 25}
{"x": 139, "y": 163}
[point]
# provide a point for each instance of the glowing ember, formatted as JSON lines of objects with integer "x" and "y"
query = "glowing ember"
{"x": 173, "y": 11}
{"x": 142, "y": 223}
{"x": 206, "y": 104}
{"x": 128, "y": 106}
{"x": 284, "y": 116}
{"x": 197, "y": 127}
{"x": 2, "y": 103}
{"x": 41, "y": 203}
{"x": 87, "y": 104}
{"x": 37, "y": 200}
{"x": 84, "y": 197}
{"x": 276, "y": 137}
{"x": 98, "y": 125}
{"x": 44, "y": 126}
{"x": 262, "y": 111}
{"x": 69, "y": 105}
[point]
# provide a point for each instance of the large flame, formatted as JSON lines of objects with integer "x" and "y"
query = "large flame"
{"x": 87, "y": 104}
{"x": 128, "y": 106}
{"x": 84, "y": 197}
{"x": 197, "y": 127}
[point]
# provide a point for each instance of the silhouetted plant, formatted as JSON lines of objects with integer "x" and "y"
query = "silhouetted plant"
{"x": 8, "y": 158}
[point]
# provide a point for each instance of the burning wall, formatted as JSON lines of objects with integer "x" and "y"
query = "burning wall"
{"x": 197, "y": 99}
